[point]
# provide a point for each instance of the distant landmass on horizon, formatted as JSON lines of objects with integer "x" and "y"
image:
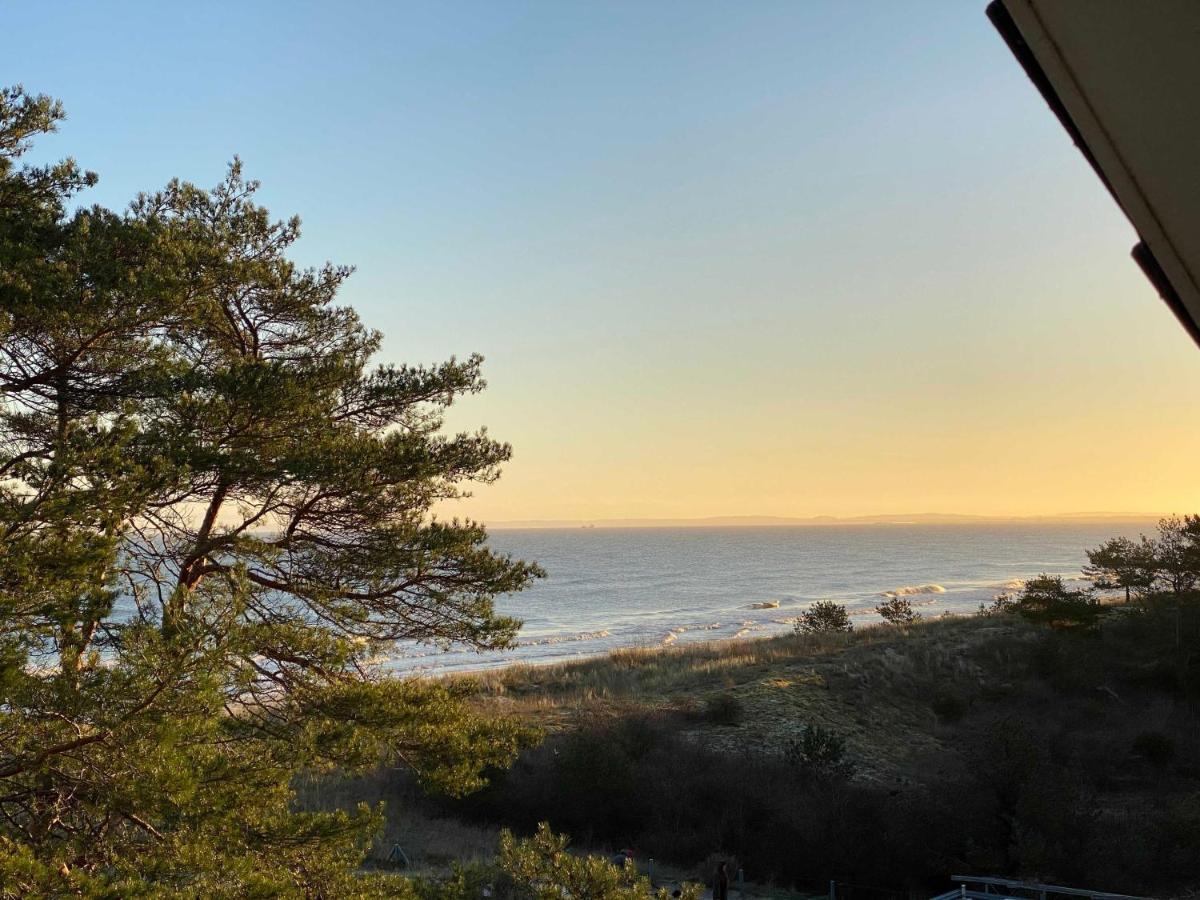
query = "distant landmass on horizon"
{"x": 791, "y": 521}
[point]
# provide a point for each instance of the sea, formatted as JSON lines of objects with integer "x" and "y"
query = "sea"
{"x": 610, "y": 588}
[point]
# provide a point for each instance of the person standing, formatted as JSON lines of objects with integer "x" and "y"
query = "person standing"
{"x": 721, "y": 882}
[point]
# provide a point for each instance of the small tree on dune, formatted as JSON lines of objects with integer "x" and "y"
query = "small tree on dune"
{"x": 818, "y": 752}
{"x": 898, "y": 611}
{"x": 1002, "y": 604}
{"x": 1161, "y": 572}
{"x": 1123, "y": 564}
{"x": 1177, "y": 555}
{"x": 1047, "y": 600}
{"x": 824, "y": 617}
{"x": 1166, "y": 563}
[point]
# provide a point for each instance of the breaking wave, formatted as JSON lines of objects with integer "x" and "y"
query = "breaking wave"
{"x": 673, "y": 634}
{"x": 566, "y": 638}
{"x": 912, "y": 589}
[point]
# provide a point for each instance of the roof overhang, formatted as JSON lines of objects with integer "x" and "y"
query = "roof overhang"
{"x": 1123, "y": 77}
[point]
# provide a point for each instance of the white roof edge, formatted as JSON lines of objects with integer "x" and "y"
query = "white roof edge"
{"x": 1068, "y": 41}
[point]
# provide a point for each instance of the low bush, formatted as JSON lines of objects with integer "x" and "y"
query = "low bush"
{"x": 818, "y": 753}
{"x": 824, "y": 617}
{"x": 1047, "y": 600}
{"x": 897, "y": 611}
{"x": 1002, "y": 604}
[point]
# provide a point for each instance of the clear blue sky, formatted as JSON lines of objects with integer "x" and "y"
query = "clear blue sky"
{"x": 723, "y": 258}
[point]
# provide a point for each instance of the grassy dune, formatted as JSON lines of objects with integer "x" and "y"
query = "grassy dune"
{"x": 985, "y": 744}
{"x": 893, "y": 693}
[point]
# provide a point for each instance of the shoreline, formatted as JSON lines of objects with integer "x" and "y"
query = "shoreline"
{"x": 615, "y": 588}
{"x": 754, "y": 621}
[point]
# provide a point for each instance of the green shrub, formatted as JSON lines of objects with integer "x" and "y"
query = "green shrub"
{"x": 824, "y": 617}
{"x": 897, "y": 611}
{"x": 1002, "y": 604}
{"x": 818, "y": 753}
{"x": 1044, "y": 599}
{"x": 540, "y": 867}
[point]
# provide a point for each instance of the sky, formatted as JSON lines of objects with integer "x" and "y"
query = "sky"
{"x": 760, "y": 258}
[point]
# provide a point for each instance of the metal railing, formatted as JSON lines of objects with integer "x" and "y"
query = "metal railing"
{"x": 986, "y": 887}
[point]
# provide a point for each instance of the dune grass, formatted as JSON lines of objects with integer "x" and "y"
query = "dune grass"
{"x": 739, "y": 693}
{"x": 885, "y": 675}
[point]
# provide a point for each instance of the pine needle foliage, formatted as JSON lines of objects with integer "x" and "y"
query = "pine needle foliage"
{"x": 216, "y": 514}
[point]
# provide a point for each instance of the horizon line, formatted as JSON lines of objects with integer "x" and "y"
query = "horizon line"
{"x": 751, "y": 521}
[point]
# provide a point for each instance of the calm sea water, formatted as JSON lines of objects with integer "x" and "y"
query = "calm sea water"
{"x": 624, "y": 587}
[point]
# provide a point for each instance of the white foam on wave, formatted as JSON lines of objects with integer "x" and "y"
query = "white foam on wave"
{"x": 764, "y": 604}
{"x": 566, "y": 638}
{"x": 673, "y": 634}
{"x": 914, "y": 589}
{"x": 680, "y": 629}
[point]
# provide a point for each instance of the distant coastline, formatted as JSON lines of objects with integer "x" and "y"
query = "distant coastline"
{"x": 797, "y": 521}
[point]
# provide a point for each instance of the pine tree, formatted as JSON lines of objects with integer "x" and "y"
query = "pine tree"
{"x": 215, "y": 514}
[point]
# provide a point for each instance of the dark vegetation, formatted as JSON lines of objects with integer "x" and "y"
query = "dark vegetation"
{"x": 1080, "y": 766}
{"x": 1056, "y": 736}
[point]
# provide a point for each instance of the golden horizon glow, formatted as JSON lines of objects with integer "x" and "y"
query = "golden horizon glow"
{"x": 785, "y": 259}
